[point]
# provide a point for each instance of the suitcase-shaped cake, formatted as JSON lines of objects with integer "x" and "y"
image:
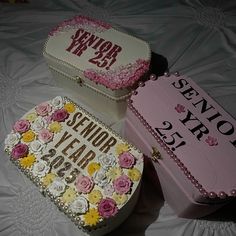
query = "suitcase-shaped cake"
{"x": 96, "y": 63}
{"x": 84, "y": 167}
{"x": 191, "y": 140}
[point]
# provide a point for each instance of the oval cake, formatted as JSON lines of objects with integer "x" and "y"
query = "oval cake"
{"x": 87, "y": 170}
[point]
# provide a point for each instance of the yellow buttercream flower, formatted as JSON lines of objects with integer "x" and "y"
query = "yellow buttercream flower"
{"x": 91, "y": 217}
{"x": 69, "y": 195}
{"x": 28, "y": 136}
{"x": 122, "y": 147}
{"x": 114, "y": 173}
{"x": 48, "y": 179}
{"x": 120, "y": 198}
{"x": 93, "y": 167}
{"x": 95, "y": 196}
{"x": 70, "y": 107}
{"x": 55, "y": 127}
{"x": 31, "y": 116}
{"x": 134, "y": 174}
{"x": 28, "y": 161}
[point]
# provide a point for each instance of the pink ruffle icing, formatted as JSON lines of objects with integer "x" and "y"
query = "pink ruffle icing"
{"x": 121, "y": 77}
{"x": 79, "y": 21}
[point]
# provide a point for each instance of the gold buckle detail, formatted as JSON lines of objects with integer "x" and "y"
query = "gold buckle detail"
{"x": 156, "y": 155}
{"x": 79, "y": 80}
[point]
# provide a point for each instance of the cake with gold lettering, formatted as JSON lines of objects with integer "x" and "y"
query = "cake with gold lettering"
{"x": 85, "y": 168}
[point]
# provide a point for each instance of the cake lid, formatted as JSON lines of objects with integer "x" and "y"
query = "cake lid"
{"x": 86, "y": 169}
{"x": 194, "y": 131}
{"x": 102, "y": 53}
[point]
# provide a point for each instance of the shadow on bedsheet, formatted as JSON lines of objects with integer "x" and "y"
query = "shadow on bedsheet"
{"x": 224, "y": 214}
{"x": 148, "y": 206}
{"x": 159, "y": 64}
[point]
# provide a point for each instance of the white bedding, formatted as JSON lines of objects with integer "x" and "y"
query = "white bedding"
{"x": 197, "y": 38}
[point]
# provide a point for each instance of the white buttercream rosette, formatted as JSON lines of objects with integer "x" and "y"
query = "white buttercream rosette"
{"x": 12, "y": 139}
{"x": 100, "y": 178}
{"x": 40, "y": 168}
{"x": 107, "y": 160}
{"x": 79, "y": 205}
{"x": 57, "y": 187}
{"x": 38, "y": 124}
{"x": 57, "y": 102}
{"x": 36, "y": 147}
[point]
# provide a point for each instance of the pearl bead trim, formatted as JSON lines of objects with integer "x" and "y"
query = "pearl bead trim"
{"x": 211, "y": 195}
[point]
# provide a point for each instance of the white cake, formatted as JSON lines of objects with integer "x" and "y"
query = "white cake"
{"x": 87, "y": 170}
{"x": 96, "y": 63}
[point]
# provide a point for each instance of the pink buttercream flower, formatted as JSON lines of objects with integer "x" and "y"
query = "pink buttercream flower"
{"x": 48, "y": 119}
{"x": 211, "y": 141}
{"x": 43, "y": 109}
{"x": 21, "y": 126}
{"x": 107, "y": 207}
{"x": 180, "y": 108}
{"x": 45, "y": 135}
{"x": 126, "y": 160}
{"x": 60, "y": 115}
{"x": 19, "y": 151}
{"x": 122, "y": 184}
{"x": 84, "y": 184}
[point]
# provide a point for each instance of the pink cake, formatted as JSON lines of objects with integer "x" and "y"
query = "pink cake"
{"x": 96, "y": 63}
{"x": 191, "y": 140}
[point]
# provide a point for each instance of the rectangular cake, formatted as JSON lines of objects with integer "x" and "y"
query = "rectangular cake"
{"x": 96, "y": 63}
{"x": 191, "y": 140}
{"x": 84, "y": 167}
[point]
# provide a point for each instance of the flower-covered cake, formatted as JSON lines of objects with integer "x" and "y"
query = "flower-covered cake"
{"x": 91, "y": 173}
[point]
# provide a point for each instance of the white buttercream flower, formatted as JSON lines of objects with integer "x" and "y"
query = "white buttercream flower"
{"x": 57, "y": 102}
{"x": 107, "y": 160}
{"x": 79, "y": 205}
{"x": 36, "y": 147}
{"x": 57, "y": 187}
{"x": 108, "y": 190}
{"x": 100, "y": 178}
{"x": 40, "y": 168}
{"x": 38, "y": 124}
{"x": 11, "y": 140}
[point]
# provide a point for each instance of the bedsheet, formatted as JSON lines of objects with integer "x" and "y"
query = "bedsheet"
{"x": 194, "y": 37}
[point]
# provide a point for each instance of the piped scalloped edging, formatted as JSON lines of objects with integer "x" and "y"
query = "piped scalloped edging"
{"x": 211, "y": 195}
{"x": 76, "y": 22}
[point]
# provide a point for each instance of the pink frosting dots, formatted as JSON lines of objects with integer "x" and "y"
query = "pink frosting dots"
{"x": 80, "y": 21}
{"x": 122, "y": 77}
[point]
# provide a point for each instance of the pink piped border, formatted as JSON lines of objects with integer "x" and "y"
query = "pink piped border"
{"x": 183, "y": 168}
{"x": 121, "y": 77}
{"x": 78, "y": 21}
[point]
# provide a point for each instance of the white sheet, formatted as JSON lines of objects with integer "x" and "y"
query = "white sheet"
{"x": 196, "y": 37}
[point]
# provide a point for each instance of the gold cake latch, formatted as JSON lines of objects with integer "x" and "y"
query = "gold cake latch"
{"x": 156, "y": 155}
{"x": 79, "y": 81}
